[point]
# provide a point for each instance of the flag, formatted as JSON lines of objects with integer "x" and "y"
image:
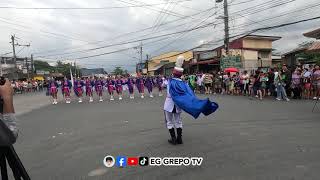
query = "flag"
{"x": 184, "y": 98}
{"x": 72, "y": 82}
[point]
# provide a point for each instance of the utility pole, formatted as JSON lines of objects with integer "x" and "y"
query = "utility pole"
{"x": 226, "y": 26}
{"x": 147, "y": 63}
{"x": 32, "y": 65}
{"x": 140, "y": 52}
{"x": 14, "y": 51}
{"x": 75, "y": 69}
{"x": 13, "y": 37}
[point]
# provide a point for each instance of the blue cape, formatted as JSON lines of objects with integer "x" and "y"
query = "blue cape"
{"x": 184, "y": 98}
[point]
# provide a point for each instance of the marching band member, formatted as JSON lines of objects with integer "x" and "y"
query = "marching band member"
{"x": 149, "y": 85}
{"x": 119, "y": 87}
{"x": 66, "y": 90}
{"x": 130, "y": 84}
{"x": 53, "y": 90}
{"x": 78, "y": 85}
{"x": 98, "y": 85}
{"x": 110, "y": 84}
{"x": 181, "y": 97}
{"x": 89, "y": 85}
{"x": 159, "y": 82}
{"x": 140, "y": 85}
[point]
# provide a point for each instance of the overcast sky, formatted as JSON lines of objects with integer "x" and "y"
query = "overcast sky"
{"x": 62, "y": 33}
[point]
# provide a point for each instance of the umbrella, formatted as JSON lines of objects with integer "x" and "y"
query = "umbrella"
{"x": 231, "y": 69}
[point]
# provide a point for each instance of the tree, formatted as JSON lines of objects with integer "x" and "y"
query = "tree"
{"x": 43, "y": 65}
{"x": 118, "y": 71}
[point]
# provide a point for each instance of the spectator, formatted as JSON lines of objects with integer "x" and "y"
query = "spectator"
{"x": 316, "y": 82}
{"x": 296, "y": 84}
{"x": 207, "y": 81}
{"x": 264, "y": 80}
{"x": 270, "y": 83}
{"x": 257, "y": 88}
{"x": 245, "y": 83}
{"x": 307, "y": 84}
{"x": 286, "y": 77}
{"x": 280, "y": 85}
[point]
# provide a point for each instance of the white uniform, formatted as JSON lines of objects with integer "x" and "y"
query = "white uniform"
{"x": 172, "y": 119}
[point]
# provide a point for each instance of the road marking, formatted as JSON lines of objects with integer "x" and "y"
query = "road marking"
{"x": 98, "y": 172}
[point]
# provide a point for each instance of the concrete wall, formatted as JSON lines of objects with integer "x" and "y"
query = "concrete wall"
{"x": 257, "y": 44}
{"x": 167, "y": 56}
{"x": 250, "y": 60}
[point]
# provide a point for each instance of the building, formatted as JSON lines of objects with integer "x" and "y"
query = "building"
{"x": 92, "y": 72}
{"x": 252, "y": 51}
{"x": 164, "y": 63}
{"x": 313, "y": 34}
{"x": 21, "y": 68}
{"x": 304, "y": 53}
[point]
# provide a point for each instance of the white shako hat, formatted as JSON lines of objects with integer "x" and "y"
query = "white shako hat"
{"x": 179, "y": 63}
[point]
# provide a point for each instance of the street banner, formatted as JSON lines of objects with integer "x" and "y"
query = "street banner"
{"x": 231, "y": 61}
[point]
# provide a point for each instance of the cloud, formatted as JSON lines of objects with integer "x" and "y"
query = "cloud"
{"x": 56, "y": 31}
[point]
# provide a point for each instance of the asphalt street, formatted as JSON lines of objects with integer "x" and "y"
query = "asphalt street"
{"x": 244, "y": 140}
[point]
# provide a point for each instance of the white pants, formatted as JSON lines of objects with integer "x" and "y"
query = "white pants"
{"x": 173, "y": 120}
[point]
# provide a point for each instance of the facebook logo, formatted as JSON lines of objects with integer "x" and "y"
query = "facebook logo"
{"x": 121, "y": 161}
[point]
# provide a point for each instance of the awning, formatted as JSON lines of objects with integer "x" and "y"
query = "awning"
{"x": 205, "y": 62}
{"x": 157, "y": 67}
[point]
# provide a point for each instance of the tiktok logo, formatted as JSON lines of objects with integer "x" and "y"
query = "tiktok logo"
{"x": 143, "y": 161}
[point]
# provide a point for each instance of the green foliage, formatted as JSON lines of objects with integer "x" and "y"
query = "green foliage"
{"x": 310, "y": 57}
{"x": 59, "y": 68}
{"x": 118, "y": 71}
{"x": 43, "y": 65}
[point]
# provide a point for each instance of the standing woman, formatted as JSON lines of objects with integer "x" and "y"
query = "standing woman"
{"x": 257, "y": 85}
{"x": 110, "y": 84}
{"x": 89, "y": 92}
{"x": 307, "y": 84}
{"x": 53, "y": 90}
{"x": 98, "y": 85}
{"x": 149, "y": 84}
{"x": 119, "y": 87}
{"x": 130, "y": 84}
{"x": 78, "y": 85}
{"x": 140, "y": 86}
{"x": 316, "y": 82}
{"x": 66, "y": 89}
{"x": 296, "y": 84}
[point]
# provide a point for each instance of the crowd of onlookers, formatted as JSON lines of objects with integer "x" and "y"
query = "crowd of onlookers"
{"x": 281, "y": 83}
{"x": 28, "y": 86}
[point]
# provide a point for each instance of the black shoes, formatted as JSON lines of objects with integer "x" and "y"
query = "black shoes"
{"x": 175, "y": 140}
{"x": 179, "y": 136}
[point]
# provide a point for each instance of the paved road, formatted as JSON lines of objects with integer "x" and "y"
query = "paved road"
{"x": 245, "y": 140}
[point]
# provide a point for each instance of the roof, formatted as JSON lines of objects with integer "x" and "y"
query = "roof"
{"x": 295, "y": 51}
{"x": 253, "y": 36}
{"x": 157, "y": 67}
{"x": 206, "y": 62}
{"x": 313, "y": 34}
{"x": 314, "y": 47}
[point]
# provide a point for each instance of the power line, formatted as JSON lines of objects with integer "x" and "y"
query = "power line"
{"x": 252, "y": 7}
{"x": 137, "y": 31}
{"x": 245, "y": 34}
{"x": 84, "y": 8}
{"x": 144, "y": 39}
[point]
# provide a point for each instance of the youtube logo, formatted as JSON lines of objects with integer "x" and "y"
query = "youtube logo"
{"x": 133, "y": 161}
